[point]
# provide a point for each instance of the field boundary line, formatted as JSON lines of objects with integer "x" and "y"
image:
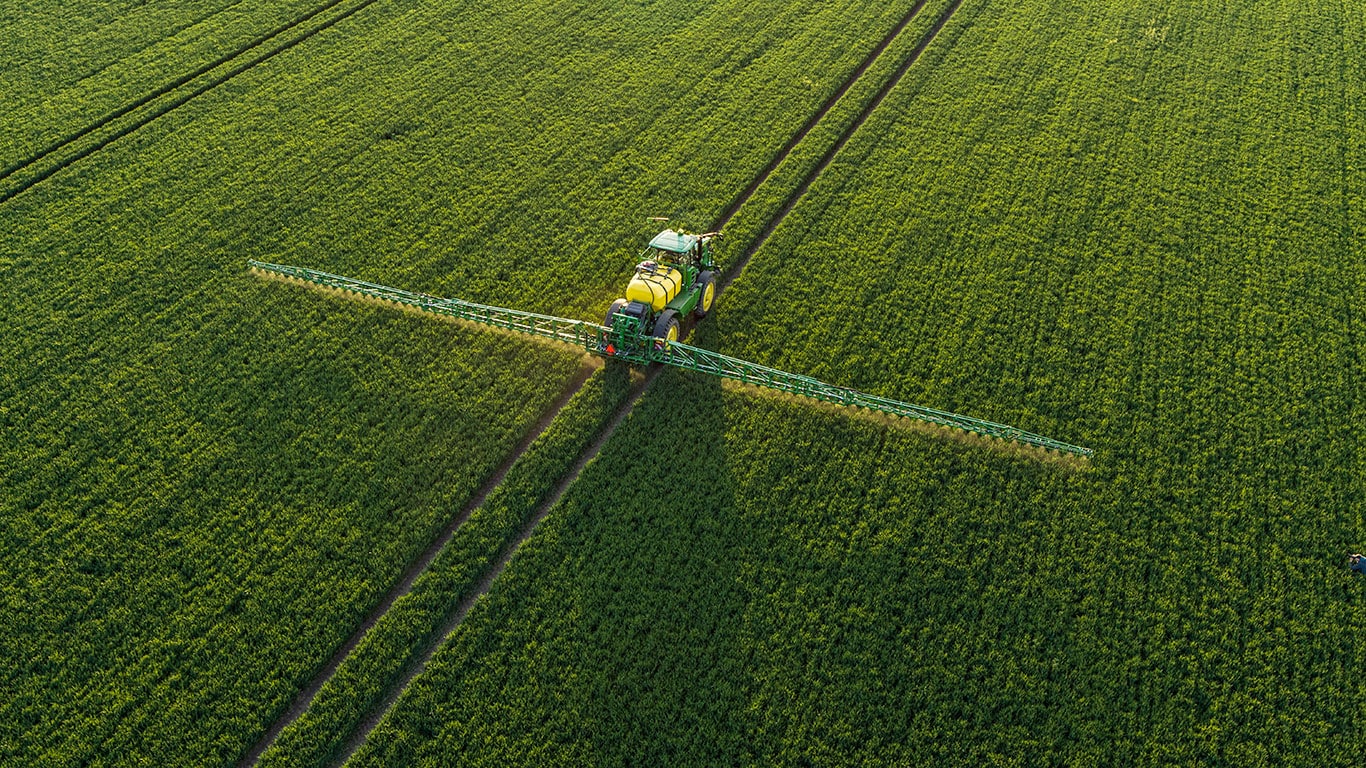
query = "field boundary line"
{"x": 373, "y": 718}
{"x": 417, "y": 567}
{"x": 143, "y": 118}
{"x": 829, "y": 156}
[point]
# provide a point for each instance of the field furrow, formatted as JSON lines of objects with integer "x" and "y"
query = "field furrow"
{"x": 89, "y": 139}
{"x": 162, "y": 402}
{"x": 68, "y": 65}
{"x": 241, "y": 521}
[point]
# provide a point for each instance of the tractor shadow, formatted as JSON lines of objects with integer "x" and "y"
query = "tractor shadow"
{"x": 662, "y": 598}
{"x": 771, "y": 545}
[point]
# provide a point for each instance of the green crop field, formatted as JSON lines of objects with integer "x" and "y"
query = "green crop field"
{"x": 67, "y": 65}
{"x": 1135, "y": 226}
{"x": 209, "y": 479}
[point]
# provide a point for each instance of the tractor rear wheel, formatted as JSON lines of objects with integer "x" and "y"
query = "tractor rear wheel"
{"x": 612, "y": 310}
{"x": 706, "y": 283}
{"x": 666, "y": 327}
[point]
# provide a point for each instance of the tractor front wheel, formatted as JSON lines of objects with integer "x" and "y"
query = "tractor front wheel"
{"x": 666, "y": 327}
{"x": 706, "y": 283}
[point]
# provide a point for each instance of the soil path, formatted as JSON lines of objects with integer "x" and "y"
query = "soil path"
{"x": 416, "y": 568}
{"x": 373, "y": 718}
{"x": 748, "y": 192}
{"x": 848, "y": 133}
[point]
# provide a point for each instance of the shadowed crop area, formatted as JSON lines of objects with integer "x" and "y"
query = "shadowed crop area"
{"x": 233, "y": 509}
{"x": 205, "y": 486}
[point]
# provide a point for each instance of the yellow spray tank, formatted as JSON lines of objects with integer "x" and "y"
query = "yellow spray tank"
{"x": 654, "y": 284}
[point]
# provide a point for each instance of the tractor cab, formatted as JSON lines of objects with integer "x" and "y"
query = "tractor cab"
{"x": 681, "y": 248}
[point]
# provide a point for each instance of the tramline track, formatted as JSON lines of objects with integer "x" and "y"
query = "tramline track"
{"x": 748, "y": 192}
{"x": 61, "y": 154}
{"x": 829, "y": 155}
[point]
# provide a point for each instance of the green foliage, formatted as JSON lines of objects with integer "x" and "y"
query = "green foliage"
{"x": 388, "y": 650}
{"x": 67, "y": 64}
{"x": 204, "y": 489}
{"x": 1130, "y": 225}
{"x": 739, "y": 578}
{"x": 748, "y": 225}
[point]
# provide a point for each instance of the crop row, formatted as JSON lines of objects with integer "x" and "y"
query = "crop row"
{"x": 725, "y": 602}
{"x": 316, "y": 737}
{"x": 1129, "y": 224}
{"x": 201, "y": 503}
{"x": 516, "y": 165}
{"x": 416, "y": 621}
{"x": 80, "y": 143}
{"x": 789, "y": 181}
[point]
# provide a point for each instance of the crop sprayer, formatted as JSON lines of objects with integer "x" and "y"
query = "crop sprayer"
{"x": 675, "y": 277}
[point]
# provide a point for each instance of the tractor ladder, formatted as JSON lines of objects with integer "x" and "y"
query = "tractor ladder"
{"x": 594, "y": 338}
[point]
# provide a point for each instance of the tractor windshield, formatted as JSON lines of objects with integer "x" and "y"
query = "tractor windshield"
{"x": 668, "y": 257}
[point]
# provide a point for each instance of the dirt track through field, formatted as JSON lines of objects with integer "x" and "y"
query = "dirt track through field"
{"x": 816, "y": 117}
{"x": 416, "y": 568}
{"x": 374, "y": 717}
{"x": 139, "y": 113}
{"x": 829, "y": 156}
{"x": 509, "y": 550}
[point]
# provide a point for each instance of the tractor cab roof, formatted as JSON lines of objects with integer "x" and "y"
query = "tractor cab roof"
{"x": 673, "y": 242}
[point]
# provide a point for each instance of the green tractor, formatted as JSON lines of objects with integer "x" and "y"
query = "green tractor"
{"x": 675, "y": 277}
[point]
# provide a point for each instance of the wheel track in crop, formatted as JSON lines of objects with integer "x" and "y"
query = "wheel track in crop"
{"x": 52, "y": 159}
{"x": 372, "y": 718}
{"x": 748, "y": 192}
{"x": 829, "y": 156}
{"x": 416, "y": 568}
{"x": 509, "y": 549}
